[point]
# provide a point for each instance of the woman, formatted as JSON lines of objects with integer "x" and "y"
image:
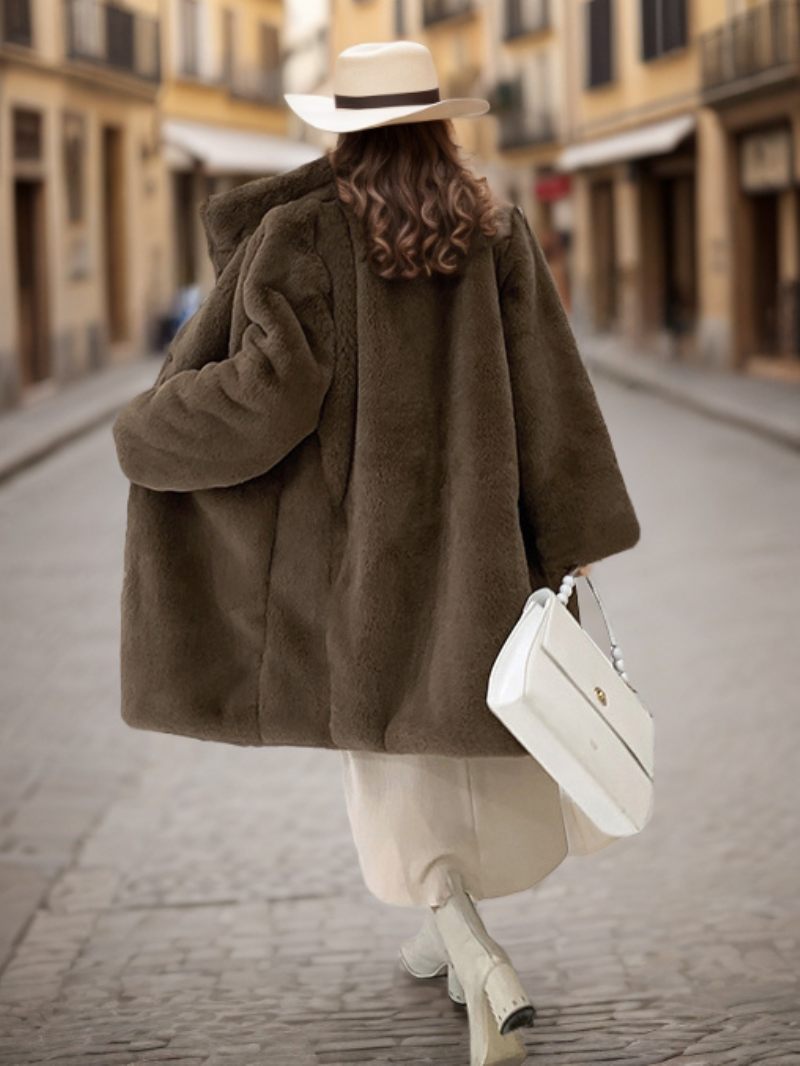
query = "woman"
{"x": 371, "y": 441}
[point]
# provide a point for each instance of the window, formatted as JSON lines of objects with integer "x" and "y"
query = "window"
{"x": 270, "y": 73}
{"x": 15, "y": 21}
{"x": 599, "y": 29}
{"x": 27, "y": 135}
{"x": 120, "y": 37}
{"x": 526, "y": 16}
{"x": 227, "y": 45}
{"x": 74, "y": 154}
{"x": 664, "y": 27}
{"x": 189, "y": 38}
{"x": 270, "y": 47}
{"x": 86, "y": 33}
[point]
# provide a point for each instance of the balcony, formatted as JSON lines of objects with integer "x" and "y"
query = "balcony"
{"x": 526, "y": 129}
{"x": 257, "y": 86}
{"x": 435, "y": 11}
{"x": 525, "y": 16}
{"x": 757, "y": 49}
{"x": 15, "y": 23}
{"x": 520, "y": 126}
{"x": 114, "y": 38}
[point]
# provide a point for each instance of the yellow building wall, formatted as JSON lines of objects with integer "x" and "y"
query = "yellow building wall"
{"x": 43, "y": 80}
{"x": 639, "y": 91}
{"x": 458, "y": 47}
{"x": 200, "y": 99}
{"x": 356, "y": 21}
{"x": 75, "y": 250}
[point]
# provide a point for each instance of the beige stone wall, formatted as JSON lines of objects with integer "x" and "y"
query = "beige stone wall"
{"x": 39, "y": 79}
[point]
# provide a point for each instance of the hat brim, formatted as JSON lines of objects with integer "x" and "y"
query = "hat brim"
{"x": 321, "y": 112}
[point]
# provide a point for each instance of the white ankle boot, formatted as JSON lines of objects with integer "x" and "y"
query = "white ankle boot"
{"x": 497, "y": 1003}
{"x": 425, "y": 955}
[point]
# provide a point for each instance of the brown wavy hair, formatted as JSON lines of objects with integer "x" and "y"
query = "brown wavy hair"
{"x": 419, "y": 204}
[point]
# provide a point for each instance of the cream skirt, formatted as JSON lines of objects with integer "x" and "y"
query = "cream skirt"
{"x": 502, "y": 821}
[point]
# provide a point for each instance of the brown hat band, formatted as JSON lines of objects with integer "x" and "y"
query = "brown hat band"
{"x": 423, "y": 96}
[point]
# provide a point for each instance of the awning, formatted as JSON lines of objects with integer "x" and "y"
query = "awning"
{"x": 221, "y": 150}
{"x": 655, "y": 139}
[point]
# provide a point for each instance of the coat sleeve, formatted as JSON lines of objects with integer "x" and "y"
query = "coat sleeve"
{"x": 236, "y": 416}
{"x": 574, "y": 504}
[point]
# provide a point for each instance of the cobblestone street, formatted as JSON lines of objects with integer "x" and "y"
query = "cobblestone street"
{"x": 167, "y": 900}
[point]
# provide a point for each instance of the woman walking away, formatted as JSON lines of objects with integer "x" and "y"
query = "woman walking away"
{"x": 368, "y": 445}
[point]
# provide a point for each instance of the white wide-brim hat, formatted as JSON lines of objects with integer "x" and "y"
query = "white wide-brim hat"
{"x": 379, "y": 84}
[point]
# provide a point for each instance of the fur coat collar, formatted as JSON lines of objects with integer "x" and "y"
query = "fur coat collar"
{"x": 230, "y": 217}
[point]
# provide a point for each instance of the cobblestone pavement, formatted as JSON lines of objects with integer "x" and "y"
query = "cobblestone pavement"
{"x": 165, "y": 900}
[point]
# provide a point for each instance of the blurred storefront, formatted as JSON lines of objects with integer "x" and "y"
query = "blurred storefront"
{"x": 636, "y": 196}
{"x": 81, "y": 198}
{"x": 633, "y": 155}
{"x": 751, "y": 83}
{"x": 684, "y": 146}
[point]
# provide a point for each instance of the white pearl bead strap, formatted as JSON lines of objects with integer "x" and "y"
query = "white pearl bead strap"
{"x": 563, "y": 595}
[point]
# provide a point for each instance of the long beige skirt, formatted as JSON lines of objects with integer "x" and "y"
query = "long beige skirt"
{"x": 502, "y": 821}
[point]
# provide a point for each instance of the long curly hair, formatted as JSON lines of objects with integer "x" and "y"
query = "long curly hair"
{"x": 419, "y": 204}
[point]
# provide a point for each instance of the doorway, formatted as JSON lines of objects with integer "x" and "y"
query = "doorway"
{"x": 114, "y": 233}
{"x": 31, "y": 264}
{"x": 604, "y": 256}
{"x": 185, "y": 231}
{"x": 680, "y": 270}
{"x": 765, "y": 244}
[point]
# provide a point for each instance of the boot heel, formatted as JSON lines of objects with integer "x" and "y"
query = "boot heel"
{"x": 507, "y": 998}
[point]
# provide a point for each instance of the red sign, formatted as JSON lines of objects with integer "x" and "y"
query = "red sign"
{"x": 553, "y": 187}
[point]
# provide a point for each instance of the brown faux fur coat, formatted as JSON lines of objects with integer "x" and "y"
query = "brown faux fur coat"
{"x": 344, "y": 487}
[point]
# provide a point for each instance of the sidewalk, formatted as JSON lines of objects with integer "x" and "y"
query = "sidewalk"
{"x": 769, "y": 408}
{"x": 29, "y": 433}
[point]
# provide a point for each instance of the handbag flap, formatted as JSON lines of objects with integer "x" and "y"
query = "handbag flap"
{"x": 592, "y": 673}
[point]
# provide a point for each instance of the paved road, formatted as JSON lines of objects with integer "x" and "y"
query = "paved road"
{"x": 168, "y": 900}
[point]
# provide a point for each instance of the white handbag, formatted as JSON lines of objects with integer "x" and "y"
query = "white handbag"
{"x": 574, "y": 709}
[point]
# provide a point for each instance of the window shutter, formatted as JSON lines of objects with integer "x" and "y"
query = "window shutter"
{"x": 598, "y": 14}
{"x": 649, "y": 16}
{"x": 674, "y": 33}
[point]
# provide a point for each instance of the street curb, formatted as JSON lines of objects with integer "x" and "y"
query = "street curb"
{"x": 717, "y": 410}
{"x": 113, "y": 391}
{"x": 19, "y": 463}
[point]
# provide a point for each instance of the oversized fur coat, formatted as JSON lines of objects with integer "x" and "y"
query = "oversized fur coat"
{"x": 344, "y": 487}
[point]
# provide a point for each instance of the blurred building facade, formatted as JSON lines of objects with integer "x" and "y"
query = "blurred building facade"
{"x": 224, "y": 117}
{"x": 117, "y": 119}
{"x": 82, "y": 241}
{"x": 750, "y": 96}
{"x": 527, "y": 70}
{"x": 684, "y": 147}
{"x": 654, "y": 144}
